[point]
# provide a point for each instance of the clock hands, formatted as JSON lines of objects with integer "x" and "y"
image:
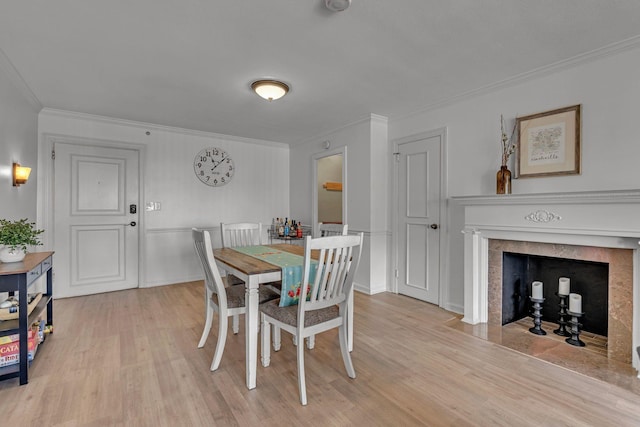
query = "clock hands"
{"x": 217, "y": 163}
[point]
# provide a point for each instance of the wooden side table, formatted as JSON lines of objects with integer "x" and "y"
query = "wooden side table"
{"x": 18, "y": 277}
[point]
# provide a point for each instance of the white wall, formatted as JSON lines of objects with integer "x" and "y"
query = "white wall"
{"x": 366, "y": 203}
{"x": 258, "y": 191}
{"x": 608, "y": 88}
{"x": 18, "y": 143}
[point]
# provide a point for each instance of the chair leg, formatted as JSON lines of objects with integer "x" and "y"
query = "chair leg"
{"x": 265, "y": 346}
{"x": 276, "y": 338}
{"x": 236, "y": 324}
{"x": 344, "y": 349}
{"x": 302, "y": 387}
{"x": 207, "y": 325}
{"x": 222, "y": 339}
{"x": 350, "y": 321}
{"x": 311, "y": 342}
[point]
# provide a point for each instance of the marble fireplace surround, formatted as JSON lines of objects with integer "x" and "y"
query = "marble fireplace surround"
{"x": 594, "y": 225}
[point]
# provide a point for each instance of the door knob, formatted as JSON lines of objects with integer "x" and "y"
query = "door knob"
{"x": 132, "y": 223}
{"x": 434, "y": 226}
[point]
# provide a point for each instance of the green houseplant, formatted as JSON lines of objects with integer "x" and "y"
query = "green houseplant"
{"x": 16, "y": 236}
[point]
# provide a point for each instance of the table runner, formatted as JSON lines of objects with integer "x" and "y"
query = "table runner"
{"x": 291, "y": 265}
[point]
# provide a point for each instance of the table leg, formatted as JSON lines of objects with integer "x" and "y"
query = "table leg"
{"x": 251, "y": 330}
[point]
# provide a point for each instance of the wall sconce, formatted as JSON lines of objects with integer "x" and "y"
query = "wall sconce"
{"x": 20, "y": 174}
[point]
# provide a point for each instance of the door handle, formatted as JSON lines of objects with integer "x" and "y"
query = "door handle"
{"x": 434, "y": 226}
{"x": 132, "y": 223}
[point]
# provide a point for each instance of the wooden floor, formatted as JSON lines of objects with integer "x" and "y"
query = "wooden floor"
{"x": 129, "y": 358}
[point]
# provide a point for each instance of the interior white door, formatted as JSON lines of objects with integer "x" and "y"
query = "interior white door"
{"x": 419, "y": 218}
{"x": 95, "y": 226}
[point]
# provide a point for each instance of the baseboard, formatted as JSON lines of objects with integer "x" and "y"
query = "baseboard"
{"x": 456, "y": 308}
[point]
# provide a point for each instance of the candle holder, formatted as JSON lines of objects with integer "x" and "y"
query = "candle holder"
{"x": 562, "y": 322}
{"x": 537, "y": 306}
{"x": 574, "y": 339}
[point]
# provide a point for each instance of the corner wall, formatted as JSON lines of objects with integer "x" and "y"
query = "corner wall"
{"x": 366, "y": 191}
{"x": 608, "y": 89}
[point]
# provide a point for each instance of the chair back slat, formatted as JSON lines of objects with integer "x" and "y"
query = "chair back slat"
{"x": 326, "y": 230}
{"x": 338, "y": 259}
{"x": 204, "y": 250}
{"x": 241, "y": 234}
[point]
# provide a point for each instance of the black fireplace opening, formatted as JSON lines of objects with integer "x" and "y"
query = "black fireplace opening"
{"x": 589, "y": 279}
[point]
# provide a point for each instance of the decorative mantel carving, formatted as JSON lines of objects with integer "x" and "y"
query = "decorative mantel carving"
{"x": 542, "y": 216}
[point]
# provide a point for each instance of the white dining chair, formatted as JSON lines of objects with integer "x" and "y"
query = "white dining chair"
{"x": 241, "y": 234}
{"x": 327, "y": 306}
{"x": 227, "y": 301}
{"x": 325, "y": 229}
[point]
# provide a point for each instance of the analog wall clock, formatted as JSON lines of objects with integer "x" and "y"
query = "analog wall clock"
{"x": 213, "y": 166}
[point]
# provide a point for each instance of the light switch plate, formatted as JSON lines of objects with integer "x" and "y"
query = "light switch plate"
{"x": 152, "y": 206}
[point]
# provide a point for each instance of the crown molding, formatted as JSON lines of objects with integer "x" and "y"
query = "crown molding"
{"x": 591, "y": 56}
{"x": 16, "y": 79}
{"x": 51, "y": 112}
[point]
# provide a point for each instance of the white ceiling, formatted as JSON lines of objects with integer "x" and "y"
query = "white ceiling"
{"x": 189, "y": 63}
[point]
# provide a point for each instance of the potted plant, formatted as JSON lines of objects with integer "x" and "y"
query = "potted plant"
{"x": 16, "y": 236}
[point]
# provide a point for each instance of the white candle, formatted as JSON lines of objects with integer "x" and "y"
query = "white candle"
{"x": 564, "y": 286}
{"x": 536, "y": 290}
{"x": 575, "y": 303}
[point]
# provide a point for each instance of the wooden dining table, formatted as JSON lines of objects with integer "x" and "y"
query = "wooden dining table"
{"x": 254, "y": 272}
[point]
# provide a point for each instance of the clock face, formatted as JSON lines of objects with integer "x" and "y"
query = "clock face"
{"x": 213, "y": 166}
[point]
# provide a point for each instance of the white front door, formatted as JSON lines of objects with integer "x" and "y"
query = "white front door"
{"x": 96, "y": 233}
{"x": 419, "y": 218}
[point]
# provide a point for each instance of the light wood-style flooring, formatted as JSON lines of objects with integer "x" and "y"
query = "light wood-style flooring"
{"x": 129, "y": 358}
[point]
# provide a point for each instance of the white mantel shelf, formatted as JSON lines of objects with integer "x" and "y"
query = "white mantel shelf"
{"x": 580, "y": 197}
{"x": 590, "y": 218}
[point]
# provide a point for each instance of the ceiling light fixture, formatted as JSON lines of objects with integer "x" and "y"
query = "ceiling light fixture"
{"x": 270, "y": 89}
{"x": 337, "y": 5}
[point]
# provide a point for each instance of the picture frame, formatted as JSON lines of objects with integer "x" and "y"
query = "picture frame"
{"x": 549, "y": 143}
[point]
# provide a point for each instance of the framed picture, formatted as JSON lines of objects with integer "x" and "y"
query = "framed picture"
{"x": 549, "y": 143}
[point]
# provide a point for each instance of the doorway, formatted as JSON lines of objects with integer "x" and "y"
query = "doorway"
{"x": 329, "y": 188}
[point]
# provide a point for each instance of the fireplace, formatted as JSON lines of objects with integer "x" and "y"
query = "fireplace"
{"x": 618, "y": 264}
{"x": 589, "y": 279}
{"x": 599, "y": 227}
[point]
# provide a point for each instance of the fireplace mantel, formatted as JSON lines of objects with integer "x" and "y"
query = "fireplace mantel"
{"x": 603, "y": 219}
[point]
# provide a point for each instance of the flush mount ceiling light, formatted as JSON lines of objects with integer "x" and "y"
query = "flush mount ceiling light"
{"x": 337, "y": 5}
{"x": 270, "y": 89}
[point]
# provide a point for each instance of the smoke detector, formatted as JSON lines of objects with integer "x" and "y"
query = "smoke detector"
{"x": 337, "y": 5}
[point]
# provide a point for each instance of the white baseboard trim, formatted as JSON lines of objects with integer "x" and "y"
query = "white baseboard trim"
{"x": 366, "y": 290}
{"x": 172, "y": 281}
{"x": 456, "y": 308}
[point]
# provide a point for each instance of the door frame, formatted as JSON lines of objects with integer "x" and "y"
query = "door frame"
{"x": 45, "y": 193}
{"x": 443, "y": 245}
{"x": 314, "y": 184}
